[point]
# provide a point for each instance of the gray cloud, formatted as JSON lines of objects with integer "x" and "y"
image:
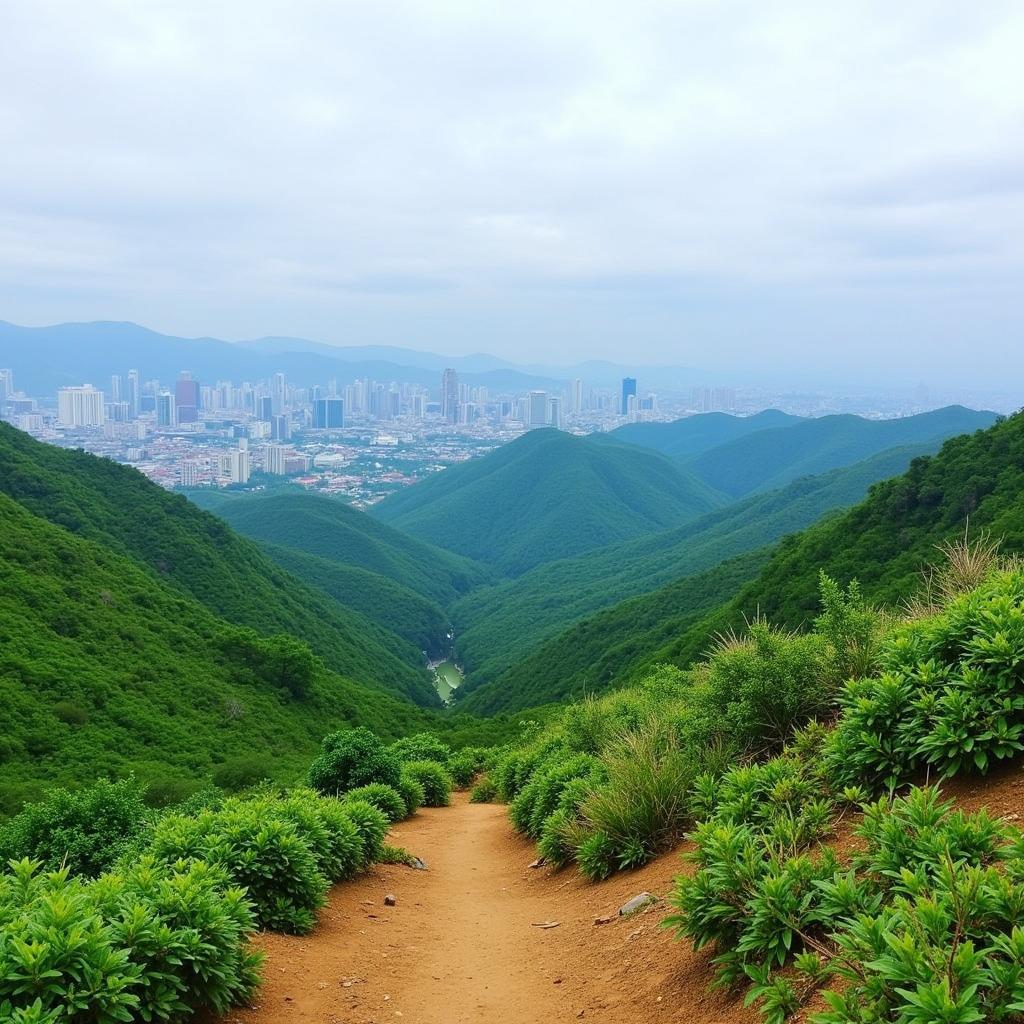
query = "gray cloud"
{"x": 751, "y": 182}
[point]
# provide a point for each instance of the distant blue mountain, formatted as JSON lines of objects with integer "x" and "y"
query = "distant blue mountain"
{"x": 46, "y": 358}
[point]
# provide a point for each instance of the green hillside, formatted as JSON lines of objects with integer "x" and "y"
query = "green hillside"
{"x": 499, "y": 626}
{"x": 548, "y": 495}
{"x": 330, "y": 529}
{"x": 692, "y": 435}
{"x": 614, "y": 646}
{"x": 769, "y": 459}
{"x": 199, "y": 555}
{"x": 415, "y": 619}
{"x": 105, "y": 669}
{"x": 884, "y": 542}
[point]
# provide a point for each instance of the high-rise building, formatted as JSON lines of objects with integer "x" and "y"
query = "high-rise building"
{"x": 235, "y": 464}
{"x": 166, "y": 410}
{"x": 450, "y": 395}
{"x": 279, "y": 392}
{"x": 134, "y": 394}
{"x": 186, "y": 398}
{"x": 328, "y": 414}
{"x": 115, "y": 387}
{"x": 6, "y": 386}
{"x": 280, "y": 427}
{"x": 274, "y": 458}
{"x": 536, "y": 409}
{"x": 189, "y": 473}
{"x": 555, "y": 412}
{"x": 577, "y": 397}
{"x": 80, "y": 407}
{"x": 628, "y": 391}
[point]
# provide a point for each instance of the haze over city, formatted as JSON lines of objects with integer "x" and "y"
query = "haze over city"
{"x": 817, "y": 188}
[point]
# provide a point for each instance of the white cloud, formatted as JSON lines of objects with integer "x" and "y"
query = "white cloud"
{"x": 423, "y": 172}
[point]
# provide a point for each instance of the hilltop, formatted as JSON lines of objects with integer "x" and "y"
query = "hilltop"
{"x": 548, "y": 495}
{"x": 500, "y": 626}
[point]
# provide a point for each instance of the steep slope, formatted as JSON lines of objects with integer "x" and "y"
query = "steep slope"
{"x": 107, "y": 669}
{"x": 687, "y": 437}
{"x": 615, "y": 645}
{"x": 772, "y": 458}
{"x": 339, "y": 533}
{"x": 200, "y": 556}
{"x": 976, "y": 480}
{"x": 499, "y": 626}
{"x": 548, "y": 495}
{"x": 398, "y": 609}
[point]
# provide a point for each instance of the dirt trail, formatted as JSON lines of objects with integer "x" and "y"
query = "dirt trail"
{"x": 461, "y": 946}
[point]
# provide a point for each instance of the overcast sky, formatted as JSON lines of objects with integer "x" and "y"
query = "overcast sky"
{"x": 702, "y": 183}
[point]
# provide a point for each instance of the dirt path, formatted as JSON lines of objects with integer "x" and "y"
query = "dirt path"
{"x": 462, "y": 945}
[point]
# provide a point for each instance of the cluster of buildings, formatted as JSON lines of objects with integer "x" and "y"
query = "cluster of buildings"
{"x": 359, "y": 439}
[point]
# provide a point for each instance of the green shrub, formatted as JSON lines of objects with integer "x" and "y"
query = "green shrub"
{"x": 155, "y": 943}
{"x": 241, "y": 773}
{"x": 265, "y": 854}
{"x": 541, "y": 795}
{"x": 436, "y": 782}
{"x": 643, "y": 808}
{"x": 353, "y": 758}
{"x": 386, "y": 799}
{"x": 411, "y": 792}
{"x": 484, "y": 792}
{"x": 372, "y": 825}
{"x": 465, "y": 765}
{"x": 422, "y": 746}
{"x": 85, "y": 831}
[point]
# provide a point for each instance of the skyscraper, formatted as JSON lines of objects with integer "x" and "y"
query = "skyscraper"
{"x": 134, "y": 393}
{"x": 274, "y": 456}
{"x": 279, "y": 392}
{"x": 450, "y": 395}
{"x": 115, "y": 387}
{"x": 80, "y": 407}
{"x": 186, "y": 398}
{"x": 577, "y": 397}
{"x": 280, "y": 428}
{"x": 555, "y": 412}
{"x": 328, "y": 414}
{"x": 628, "y": 391}
{"x": 536, "y": 409}
{"x": 166, "y": 412}
{"x": 189, "y": 473}
{"x": 6, "y": 387}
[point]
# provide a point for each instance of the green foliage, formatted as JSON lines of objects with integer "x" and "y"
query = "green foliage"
{"x": 423, "y": 746}
{"x": 195, "y": 555}
{"x": 519, "y": 506}
{"x": 484, "y": 792}
{"x": 387, "y": 799}
{"x": 950, "y": 695}
{"x": 372, "y": 825}
{"x": 411, "y": 792}
{"x": 434, "y": 780}
{"x": 610, "y": 627}
{"x": 266, "y": 855}
{"x": 464, "y": 765}
{"x": 347, "y": 760}
{"x": 153, "y": 943}
{"x": 85, "y": 831}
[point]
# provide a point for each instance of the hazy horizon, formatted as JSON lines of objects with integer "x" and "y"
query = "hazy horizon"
{"x": 698, "y": 184}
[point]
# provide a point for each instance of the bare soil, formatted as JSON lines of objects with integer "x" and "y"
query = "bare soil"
{"x": 464, "y": 944}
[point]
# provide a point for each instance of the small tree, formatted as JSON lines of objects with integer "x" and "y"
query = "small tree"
{"x": 356, "y": 757}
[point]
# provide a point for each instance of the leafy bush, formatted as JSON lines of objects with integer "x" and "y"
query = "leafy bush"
{"x": 484, "y": 792}
{"x": 465, "y": 765}
{"x": 353, "y": 758}
{"x": 436, "y": 782}
{"x": 541, "y": 795}
{"x": 85, "y": 831}
{"x": 265, "y": 854}
{"x": 411, "y": 792}
{"x": 155, "y": 943}
{"x": 422, "y": 746}
{"x": 372, "y": 825}
{"x": 386, "y": 799}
